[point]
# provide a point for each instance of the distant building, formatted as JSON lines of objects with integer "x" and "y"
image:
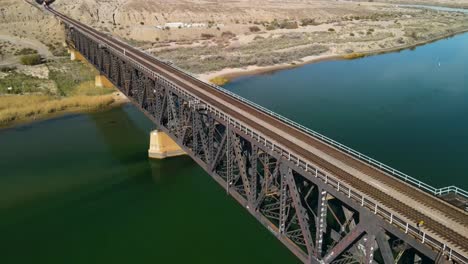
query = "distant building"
{"x": 198, "y": 25}
{"x": 175, "y": 25}
{"x": 181, "y": 25}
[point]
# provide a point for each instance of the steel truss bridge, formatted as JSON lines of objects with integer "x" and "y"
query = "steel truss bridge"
{"x": 325, "y": 202}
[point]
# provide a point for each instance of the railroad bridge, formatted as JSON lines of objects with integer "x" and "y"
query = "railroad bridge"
{"x": 324, "y": 201}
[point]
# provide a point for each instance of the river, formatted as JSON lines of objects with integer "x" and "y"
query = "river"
{"x": 407, "y": 109}
{"x": 80, "y": 189}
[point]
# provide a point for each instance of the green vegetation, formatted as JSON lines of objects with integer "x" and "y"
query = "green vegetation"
{"x": 284, "y": 24}
{"x": 33, "y": 59}
{"x": 57, "y": 49}
{"x": 7, "y": 69}
{"x": 25, "y": 51}
{"x": 69, "y": 75}
{"x": 262, "y": 52}
{"x": 18, "y": 83}
{"x": 70, "y": 88}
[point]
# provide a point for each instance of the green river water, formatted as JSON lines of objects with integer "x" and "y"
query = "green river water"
{"x": 80, "y": 189}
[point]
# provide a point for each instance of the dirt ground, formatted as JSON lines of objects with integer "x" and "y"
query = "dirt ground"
{"x": 240, "y": 35}
{"x": 245, "y": 35}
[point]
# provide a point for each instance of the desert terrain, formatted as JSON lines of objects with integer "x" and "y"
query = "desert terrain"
{"x": 214, "y": 39}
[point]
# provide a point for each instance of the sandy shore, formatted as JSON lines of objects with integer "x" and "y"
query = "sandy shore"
{"x": 234, "y": 73}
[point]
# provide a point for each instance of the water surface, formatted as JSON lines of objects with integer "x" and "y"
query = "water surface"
{"x": 80, "y": 189}
{"x": 406, "y": 109}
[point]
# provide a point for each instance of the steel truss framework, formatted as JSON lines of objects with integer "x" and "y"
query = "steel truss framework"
{"x": 313, "y": 219}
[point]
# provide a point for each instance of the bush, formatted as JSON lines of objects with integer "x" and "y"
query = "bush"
{"x": 207, "y": 36}
{"x": 220, "y": 81}
{"x": 254, "y": 29}
{"x": 7, "y": 68}
{"x": 331, "y": 29}
{"x": 271, "y": 27}
{"x": 26, "y": 51}
{"x": 228, "y": 34}
{"x": 289, "y": 25}
{"x": 353, "y": 56}
{"x": 33, "y": 59}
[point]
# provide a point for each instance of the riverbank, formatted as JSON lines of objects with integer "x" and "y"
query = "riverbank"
{"x": 22, "y": 109}
{"x": 53, "y": 88}
{"x": 229, "y": 74}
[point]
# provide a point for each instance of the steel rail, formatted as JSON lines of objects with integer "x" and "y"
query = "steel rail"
{"x": 368, "y": 160}
{"x": 341, "y": 186}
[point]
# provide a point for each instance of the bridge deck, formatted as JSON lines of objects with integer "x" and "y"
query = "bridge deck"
{"x": 442, "y": 220}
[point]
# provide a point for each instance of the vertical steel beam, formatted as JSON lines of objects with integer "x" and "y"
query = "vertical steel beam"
{"x": 385, "y": 250}
{"x": 301, "y": 212}
{"x": 283, "y": 203}
{"x": 254, "y": 172}
{"x": 370, "y": 248}
{"x": 321, "y": 221}
{"x": 345, "y": 243}
{"x": 241, "y": 163}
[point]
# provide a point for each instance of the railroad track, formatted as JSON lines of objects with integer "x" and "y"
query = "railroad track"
{"x": 219, "y": 99}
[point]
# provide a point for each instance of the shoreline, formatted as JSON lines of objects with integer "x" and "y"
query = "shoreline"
{"x": 231, "y": 74}
{"x": 118, "y": 97}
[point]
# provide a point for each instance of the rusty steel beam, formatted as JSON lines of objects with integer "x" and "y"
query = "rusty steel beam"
{"x": 280, "y": 192}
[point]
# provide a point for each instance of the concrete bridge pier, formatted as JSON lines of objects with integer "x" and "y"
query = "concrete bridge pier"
{"x": 100, "y": 80}
{"x": 162, "y": 146}
{"x": 75, "y": 55}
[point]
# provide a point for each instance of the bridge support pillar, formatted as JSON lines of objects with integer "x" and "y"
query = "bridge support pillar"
{"x": 102, "y": 81}
{"x": 162, "y": 146}
{"x": 75, "y": 55}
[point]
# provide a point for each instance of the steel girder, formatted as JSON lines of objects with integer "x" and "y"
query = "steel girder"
{"x": 316, "y": 221}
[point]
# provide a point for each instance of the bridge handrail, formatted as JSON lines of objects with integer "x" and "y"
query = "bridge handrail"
{"x": 341, "y": 187}
{"x": 415, "y": 182}
{"x": 375, "y": 163}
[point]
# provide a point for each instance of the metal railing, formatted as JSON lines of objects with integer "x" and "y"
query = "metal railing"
{"x": 375, "y": 163}
{"x": 356, "y": 154}
{"x": 340, "y": 186}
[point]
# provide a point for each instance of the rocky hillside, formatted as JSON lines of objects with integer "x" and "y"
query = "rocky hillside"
{"x": 25, "y": 25}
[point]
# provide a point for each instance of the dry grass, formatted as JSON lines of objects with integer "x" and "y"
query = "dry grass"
{"x": 220, "y": 81}
{"x": 352, "y": 56}
{"x": 16, "y": 109}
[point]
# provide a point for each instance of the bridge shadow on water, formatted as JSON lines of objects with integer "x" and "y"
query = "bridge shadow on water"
{"x": 125, "y": 130}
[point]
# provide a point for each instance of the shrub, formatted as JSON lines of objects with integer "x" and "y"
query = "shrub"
{"x": 351, "y": 34}
{"x": 207, "y": 36}
{"x": 220, "y": 81}
{"x": 354, "y": 56}
{"x": 309, "y": 22}
{"x": 228, "y": 34}
{"x": 289, "y": 24}
{"x": 33, "y": 59}
{"x": 271, "y": 27}
{"x": 331, "y": 29}
{"x": 254, "y": 29}
{"x": 7, "y": 68}
{"x": 25, "y": 51}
